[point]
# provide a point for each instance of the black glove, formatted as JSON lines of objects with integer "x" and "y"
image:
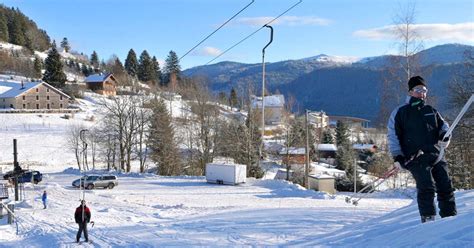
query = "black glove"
{"x": 441, "y": 136}
{"x": 399, "y": 162}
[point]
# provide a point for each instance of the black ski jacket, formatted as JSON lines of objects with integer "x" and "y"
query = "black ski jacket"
{"x": 413, "y": 127}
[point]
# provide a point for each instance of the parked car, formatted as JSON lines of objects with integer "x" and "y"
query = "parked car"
{"x": 24, "y": 177}
{"x": 96, "y": 181}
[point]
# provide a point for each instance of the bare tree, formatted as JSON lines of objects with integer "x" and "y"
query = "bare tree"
{"x": 121, "y": 117}
{"x": 403, "y": 66}
{"x": 460, "y": 154}
{"x": 75, "y": 144}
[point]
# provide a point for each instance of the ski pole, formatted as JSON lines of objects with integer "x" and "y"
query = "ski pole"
{"x": 455, "y": 123}
{"x": 387, "y": 174}
{"x": 355, "y": 202}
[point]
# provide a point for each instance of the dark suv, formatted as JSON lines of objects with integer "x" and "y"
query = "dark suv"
{"x": 24, "y": 177}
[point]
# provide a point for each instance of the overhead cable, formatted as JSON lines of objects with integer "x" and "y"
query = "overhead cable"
{"x": 216, "y": 30}
{"x": 254, "y": 32}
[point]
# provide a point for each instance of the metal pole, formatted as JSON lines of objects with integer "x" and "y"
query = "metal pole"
{"x": 306, "y": 171}
{"x": 16, "y": 168}
{"x": 263, "y": 89}
{"x": 355, "y": 176}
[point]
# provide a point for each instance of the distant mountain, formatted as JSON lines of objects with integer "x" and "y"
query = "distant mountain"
{"x": 337, "y": 85}
{"x": 442, "y": 54}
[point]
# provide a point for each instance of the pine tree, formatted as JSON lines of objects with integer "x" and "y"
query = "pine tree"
{"x": 95, "y": 59}
{"x": 131, "y": 63}
{"x": 327, "y": 137}
{"x": 54, "y": 74}
{"x": 164, "y": 150}
{"x": 65, "y": 45}
{"x": 38, "y": 66}
{"x": 156, "y": 70}
{"x": 172, "y": 67}
{"x": 342, "y": 133}
{"x": 85, "y": 70}
{"x": 233, "y": 99}
{"x": 15, "y": 30}
{"x": 146, "y": 70}
{"x": 3, "y": 26}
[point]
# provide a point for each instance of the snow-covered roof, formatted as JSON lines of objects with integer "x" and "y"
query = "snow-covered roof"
{"x": 322, "y": 176}
{"x": 100, "y": 77}
{"x": 13, "y": 89}
{"x": 269, "y": 101}
{"x": 326, "y": 147}
{"x": 363, "y": 146}
{"x": 9, "y": 89}
{"x": 293, "y": 151}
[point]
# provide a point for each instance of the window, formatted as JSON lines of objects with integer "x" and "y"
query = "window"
{"x": 47, "y": 89}
{"x": 37, "y": 106}
{"x": 47, "y": 97}
{"x": 47, "y": 106}
{"x": 60, "y": 97}
{"x": 24, "y": 98}
{"x": 61, "y": 105}
{"x": 37, "y": 98}
{"x": 37, "y": 90}
{"x": 24, "y": 105}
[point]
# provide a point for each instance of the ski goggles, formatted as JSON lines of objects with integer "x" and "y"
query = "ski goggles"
{"x": 420, "y": 90}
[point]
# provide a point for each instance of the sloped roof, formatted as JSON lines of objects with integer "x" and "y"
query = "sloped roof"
{"x": 14, "y": 89}
{"x": 363, "y": 146}
{"x": 100, "y": 77}
{"x": 293, "y": 151}
{"x": 326, "y": 147}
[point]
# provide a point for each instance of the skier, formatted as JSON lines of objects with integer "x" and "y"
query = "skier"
{"x": 44, "y": 198}
{"x": 82, "y": 217}
{"x": 415, "y": 137}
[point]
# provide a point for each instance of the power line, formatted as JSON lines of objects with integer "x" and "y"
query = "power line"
{"x": 216, "y": 30}
{"x": 254, "y": 32}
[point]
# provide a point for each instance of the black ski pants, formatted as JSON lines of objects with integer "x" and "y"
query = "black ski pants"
{"x": 430, "y": 179}
{"x": 82, "y": 228}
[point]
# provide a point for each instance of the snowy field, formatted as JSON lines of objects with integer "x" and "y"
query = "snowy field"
{"x": 153, "y": 211}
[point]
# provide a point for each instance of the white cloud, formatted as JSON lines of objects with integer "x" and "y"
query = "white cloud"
{"x": 207, "y": 51}
{"x": 285, "y": 20}
{"x": 463, "y": 32}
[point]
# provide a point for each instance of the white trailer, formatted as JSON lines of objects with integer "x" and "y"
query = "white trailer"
{"x": 230, "y": 174}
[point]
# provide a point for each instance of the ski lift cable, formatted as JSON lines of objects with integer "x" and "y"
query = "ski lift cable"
{"x": 216, "y": 30}
{"x": 266, "y": 24}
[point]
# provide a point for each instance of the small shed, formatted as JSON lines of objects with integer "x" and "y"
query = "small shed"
{"x": 293, "y": 155}
{"x": 325, "y": 183}
{"x": 326, "y": 150}
{"x": 226, "y": 173}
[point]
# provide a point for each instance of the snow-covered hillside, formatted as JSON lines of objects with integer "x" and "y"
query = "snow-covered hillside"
{"x": 153, "y": 211}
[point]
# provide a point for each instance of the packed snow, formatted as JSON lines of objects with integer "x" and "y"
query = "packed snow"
{"x": 147, "y": 210}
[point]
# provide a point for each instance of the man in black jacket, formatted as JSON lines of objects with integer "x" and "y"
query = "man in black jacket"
{"x": 415, "y": 137}
{"x": 82, "y": 217}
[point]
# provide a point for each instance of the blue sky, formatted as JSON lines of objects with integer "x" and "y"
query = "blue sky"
{"x": 337, "y": 27}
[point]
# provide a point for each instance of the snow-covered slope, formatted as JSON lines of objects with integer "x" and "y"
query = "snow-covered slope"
{"x": 153, "y": 211}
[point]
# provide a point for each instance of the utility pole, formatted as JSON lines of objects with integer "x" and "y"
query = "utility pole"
{"x": 355, "y": 176}
{"x": 16, "y": 168}
{"x": 263, "y": 89}
{"x": 306, "y": 169}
